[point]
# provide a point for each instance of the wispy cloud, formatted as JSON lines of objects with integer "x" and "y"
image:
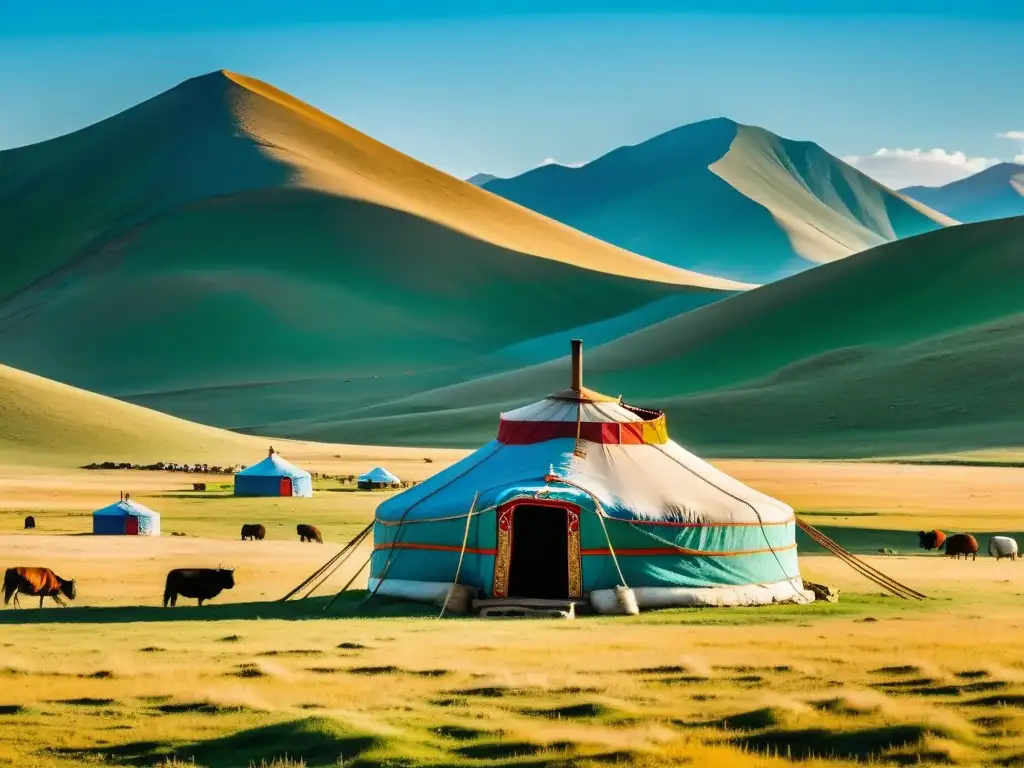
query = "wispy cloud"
{"x": 898, "y": 168}
{"x": 552, "y": 161}
{"x": 1012, "y": 135}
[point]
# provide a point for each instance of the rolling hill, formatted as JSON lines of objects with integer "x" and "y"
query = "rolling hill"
{"x": 724, "y": 198}
{"x": 230, "y": 254}
{"x": 995, "y": 193}
{"x": 915, "y": 346}
{"x": 47, "y": 424}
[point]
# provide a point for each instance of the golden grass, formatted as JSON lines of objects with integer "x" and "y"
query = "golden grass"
{"x": 867, "y": 679}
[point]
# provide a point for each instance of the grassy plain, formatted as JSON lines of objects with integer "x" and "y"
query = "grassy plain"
{"x": 118, "y": 680}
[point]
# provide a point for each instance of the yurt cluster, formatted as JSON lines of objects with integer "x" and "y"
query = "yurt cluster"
{"x": 580, "y": 502}
{"x": 273, "y": 476}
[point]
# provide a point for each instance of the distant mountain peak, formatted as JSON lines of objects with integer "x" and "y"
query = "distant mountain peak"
{"x": 724, "y": 197}
{"x": 480, "y": 179}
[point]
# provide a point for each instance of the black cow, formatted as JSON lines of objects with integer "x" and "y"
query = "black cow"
{"x": 253, "y": 531}
{"x": 931, "y": 539}
{"x": 309, "y": 533}
{"x": 200, "y": 583}
{"x": 30, "y": 522}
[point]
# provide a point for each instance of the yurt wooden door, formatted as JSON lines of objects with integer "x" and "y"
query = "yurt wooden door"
{"x": 538, "y": 551}
{"x": 286, "y": 486}
{"x": 131, "y": 525}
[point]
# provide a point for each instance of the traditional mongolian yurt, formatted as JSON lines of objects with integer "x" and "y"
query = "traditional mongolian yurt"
{"x": 126, "y": 518}
{"x": 580, "y": 494}
{"x": 273, "y": 477}
{"x": 378, "y": 477}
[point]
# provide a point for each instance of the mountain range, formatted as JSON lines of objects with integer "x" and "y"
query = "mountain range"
{"x": 995, "y": 193}
{"x": 724, "y": 198}
{"x": 228, "y": 254}
{"x": 224, "y": 237}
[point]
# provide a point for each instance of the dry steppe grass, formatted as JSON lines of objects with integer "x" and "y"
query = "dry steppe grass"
{"x": 248, "y": 681}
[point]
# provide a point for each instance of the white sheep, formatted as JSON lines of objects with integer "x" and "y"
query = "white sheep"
{"x": 1002, "y": 546}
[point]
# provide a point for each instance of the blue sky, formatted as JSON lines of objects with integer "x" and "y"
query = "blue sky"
{"x": 500, "y": 86}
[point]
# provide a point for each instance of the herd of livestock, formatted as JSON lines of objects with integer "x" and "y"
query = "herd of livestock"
{"x": 197, "y": 583}
{"x": 204, "y": 584}
{"x": 965, "y": 545}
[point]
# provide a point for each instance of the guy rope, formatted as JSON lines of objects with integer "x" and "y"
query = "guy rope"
{"x": 325, "y": 571}
{"x": 868, "y": 572}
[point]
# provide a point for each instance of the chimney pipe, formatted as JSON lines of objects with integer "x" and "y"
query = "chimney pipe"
{"x": 577, "y": 364}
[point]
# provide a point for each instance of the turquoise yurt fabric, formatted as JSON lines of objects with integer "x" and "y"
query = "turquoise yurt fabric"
{"x": 274, "y": 476}
{"x": 578, "y": 494}
{"x": 126, "y": 518}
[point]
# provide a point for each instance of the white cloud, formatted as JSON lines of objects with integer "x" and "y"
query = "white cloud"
{"x": 1012, "y": 135}
{"x": 552, "y": 161}
{"x": 898, "y": 168}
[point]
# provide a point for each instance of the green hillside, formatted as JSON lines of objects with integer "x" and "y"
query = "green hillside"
{"x": 724, "y": 198}
{"x": 913, "y": 347}
{"x": 995, "y": 193}
{"x": 231, "y": 255}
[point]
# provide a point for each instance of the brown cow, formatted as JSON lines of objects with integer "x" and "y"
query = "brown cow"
{"x": 962, "y": 544}
{"x": 41, "y": 582}
{"x": 931, "y": 539}
{"x": 309, "y": 533}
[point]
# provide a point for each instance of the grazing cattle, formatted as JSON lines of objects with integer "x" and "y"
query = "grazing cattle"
{"x": 309, "y": 533}
{"x": 962, "y": 544}
{"x": 253, "y": 532}
{"x": 37, "y": 582}
{"x": 30, "y": 523}
{"x": 931, "y": 539}
{"x": 1002, "y": 546}
{"x": 200, "y": 583}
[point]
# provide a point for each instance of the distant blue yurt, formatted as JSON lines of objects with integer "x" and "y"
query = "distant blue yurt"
{"x": 378, "y": 477}
{"x": 126, "y": 518}
{"x": 273, "y": 477}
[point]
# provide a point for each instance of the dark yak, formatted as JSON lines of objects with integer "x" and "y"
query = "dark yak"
{"x": 30, "y": 522}
{"x": 200, "y": 583}
{"x": 37, "y": 582}
{"x": 931, "y": 539}
{"x": 962, "y": 544}
{"x": 309, "y": 533}
{"x": 253, "y": 532}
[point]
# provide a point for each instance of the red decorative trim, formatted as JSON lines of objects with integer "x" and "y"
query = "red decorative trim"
{"x": 608, "y": 433}
{"x": 676, "y": 551}
{"x": 654, "y": 551}
{"x": 433, "y": 547}
{"x": 503, "y": 559}
{"x": 673, "y": 524}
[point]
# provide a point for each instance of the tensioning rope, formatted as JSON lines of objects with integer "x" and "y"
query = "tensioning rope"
{"x": 869, "y": 572}
{"x": 348, "y": 583}
{"x": 340, "y": 562}
{"x": 354, "y": 542}
{"x": 405, "y": 514}
{"x": 462, "y": 554}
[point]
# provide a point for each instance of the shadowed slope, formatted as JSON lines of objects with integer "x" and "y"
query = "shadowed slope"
{"x": 719, "y": 196}
{"x": 224, "y": 235}
{"x": 913, "y": 346}
{"x": 995, "y": 193}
